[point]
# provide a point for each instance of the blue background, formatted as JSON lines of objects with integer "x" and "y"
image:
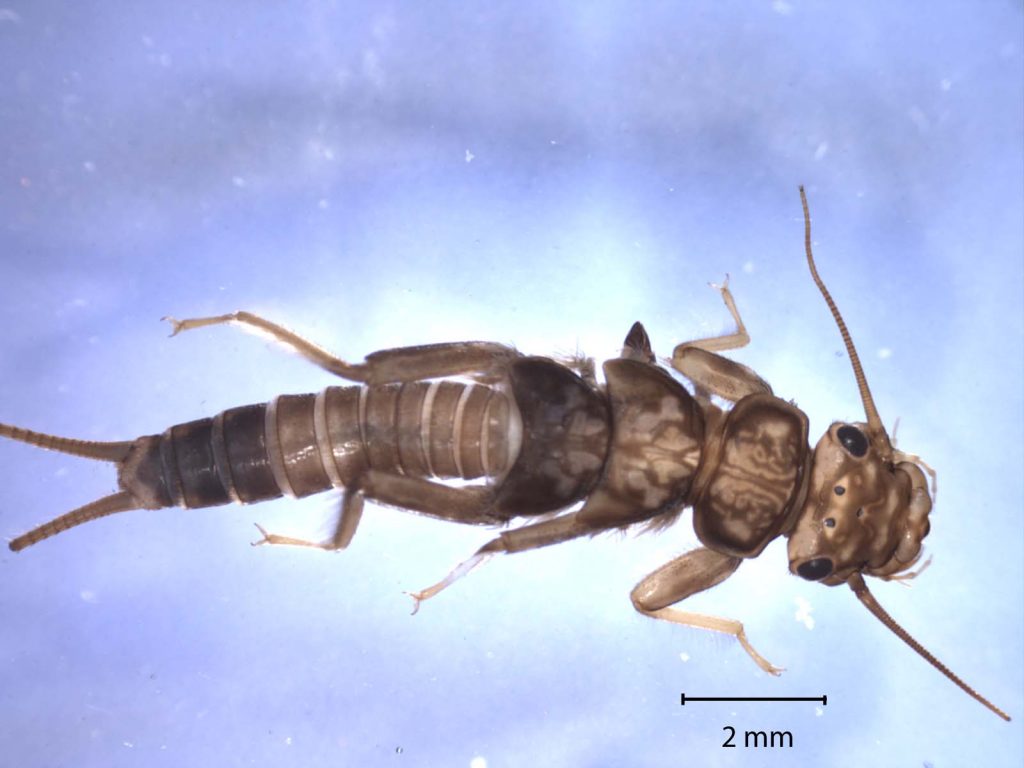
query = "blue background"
{"x": 380, "y": 174}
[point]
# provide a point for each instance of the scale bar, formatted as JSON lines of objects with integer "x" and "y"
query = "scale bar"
{"x": 683, "y": 698}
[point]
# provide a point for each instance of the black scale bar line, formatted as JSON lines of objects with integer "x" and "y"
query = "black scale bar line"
{"x": 683, "y": 698}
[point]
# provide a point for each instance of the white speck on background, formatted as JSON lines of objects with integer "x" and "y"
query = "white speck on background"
{"x": 803, "y": 613}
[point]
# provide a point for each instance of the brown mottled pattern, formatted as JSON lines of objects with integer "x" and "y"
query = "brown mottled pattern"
{"x": 656, "y": 451}
{"x": 749, "y": 496}
{"x": 657, "y": 438}
{"x": 880, "y": 514}
{"x": 565, "y": 438}
{"x": 576, "y": 454}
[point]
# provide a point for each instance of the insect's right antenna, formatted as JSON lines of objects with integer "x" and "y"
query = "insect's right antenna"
{"x": 856, "y": 582}
{"x": 115, "y": 452}
{"x": 874, "y": 421}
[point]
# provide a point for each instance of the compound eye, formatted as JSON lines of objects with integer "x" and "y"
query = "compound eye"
{"x": 853, "y": 440}
{"x": 815, "y": 569}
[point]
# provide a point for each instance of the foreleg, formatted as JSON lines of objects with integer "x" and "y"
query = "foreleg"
{"x": 685, "y": 576}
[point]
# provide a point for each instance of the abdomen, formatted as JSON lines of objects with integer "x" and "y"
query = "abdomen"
{"x": 298, "y": 445}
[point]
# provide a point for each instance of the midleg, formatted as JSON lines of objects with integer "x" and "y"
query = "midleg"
{"x": 534, "y": 536}
{"x": 484, "y": 360}
{"x": 687, "y": 575}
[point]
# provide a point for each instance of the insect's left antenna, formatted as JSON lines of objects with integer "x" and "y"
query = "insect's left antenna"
{"x": 874, "y": 420}
{"x": 114, "y": 452}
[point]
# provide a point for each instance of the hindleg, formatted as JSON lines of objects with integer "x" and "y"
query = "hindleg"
{"x": 685, "y": 576}
{"x": 468, "y": 505}
{"x": 483, "y": 360}
{"x": 348, "y": 521}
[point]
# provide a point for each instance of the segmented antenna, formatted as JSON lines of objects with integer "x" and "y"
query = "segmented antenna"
{"x": 856, "y": 582}
{"x": 874, "y": 421}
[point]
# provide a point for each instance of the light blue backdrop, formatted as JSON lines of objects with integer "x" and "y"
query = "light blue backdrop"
{"x": 381, "y": 174}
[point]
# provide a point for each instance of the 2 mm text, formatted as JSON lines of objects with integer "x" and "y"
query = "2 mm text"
{"x": 758, "y": 738}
